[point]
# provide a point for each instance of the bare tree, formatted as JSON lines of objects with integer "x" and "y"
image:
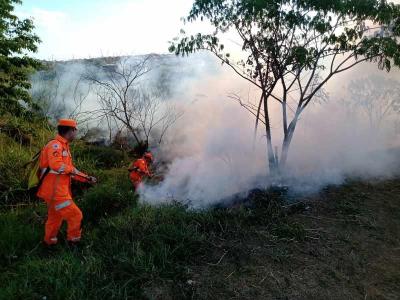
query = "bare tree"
{"x": 377, "y": 97}
{"x": 81, "y": 91}
{"x": 124, "y": 97}
{"x": 45, "y": 92}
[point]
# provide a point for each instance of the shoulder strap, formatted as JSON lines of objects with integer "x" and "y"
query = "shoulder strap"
{"x": 35, "y": 157}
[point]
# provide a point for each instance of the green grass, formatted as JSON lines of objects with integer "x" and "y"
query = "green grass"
{"x": 134, "y": 251}
{"x": 340, "y": 244}
{"x": 122, "y": 253}
{"x": 127, "y": 246}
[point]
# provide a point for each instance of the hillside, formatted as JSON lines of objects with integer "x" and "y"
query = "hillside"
{"x": 342, "y": 243}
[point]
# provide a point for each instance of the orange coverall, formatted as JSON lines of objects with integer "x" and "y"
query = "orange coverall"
{"x": 55, "y": 190}
{"x": 138, "y": 169}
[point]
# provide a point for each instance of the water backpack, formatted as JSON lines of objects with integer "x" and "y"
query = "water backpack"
{"x": 35, "y": 174}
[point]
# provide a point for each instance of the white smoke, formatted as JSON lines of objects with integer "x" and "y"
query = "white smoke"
{"x": 213, "y": 156}
{"x": 211, "y": 152}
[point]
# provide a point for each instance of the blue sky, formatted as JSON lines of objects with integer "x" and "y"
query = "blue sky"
{"x": 88, "y": 28}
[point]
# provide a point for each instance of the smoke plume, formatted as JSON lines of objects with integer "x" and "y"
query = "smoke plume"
{"x": 212, "y": 153}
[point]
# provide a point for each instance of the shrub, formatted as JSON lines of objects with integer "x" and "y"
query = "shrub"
{"x": 101, "y": 157}
{"x": 113, "y": 193}
{"x": 19, "y": 141}
{"x": 12, "y": 172}
{"x": 31, "y": 133}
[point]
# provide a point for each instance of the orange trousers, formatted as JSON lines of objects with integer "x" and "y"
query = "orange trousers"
{"x": 57, "y": 213}
{"x": 136, "y": 179}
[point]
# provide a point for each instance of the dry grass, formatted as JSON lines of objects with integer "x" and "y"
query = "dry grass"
{"x": 351, "y": 250}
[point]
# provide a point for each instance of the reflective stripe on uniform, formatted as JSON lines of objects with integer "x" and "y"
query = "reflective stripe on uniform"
{"x": 42, "y": 172}
{"x": 61, "y": 169}
{"x": 75, "y": 239}
{"x": 63, "y": 204}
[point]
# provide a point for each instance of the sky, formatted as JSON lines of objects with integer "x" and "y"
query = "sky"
{"x": 91, "y": 28}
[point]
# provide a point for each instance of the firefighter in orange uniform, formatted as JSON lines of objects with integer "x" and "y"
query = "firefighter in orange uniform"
{"x": 57, "y": 171}
{"x": 140, "y": 169}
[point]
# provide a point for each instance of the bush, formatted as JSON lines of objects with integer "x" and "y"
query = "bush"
{"x": 100, "y": 157}
{"x": 31, "y": 133}
{"x": 19, "y": 141}
{"x": 113, "y": 193}
{"x": 13, "y": 182}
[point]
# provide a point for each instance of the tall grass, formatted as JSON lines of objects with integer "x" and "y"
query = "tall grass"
{"x": 19, "y": 141}
{"x": 13, "y": 185}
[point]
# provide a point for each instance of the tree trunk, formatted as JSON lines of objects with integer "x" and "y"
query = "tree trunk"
{"x": 270, "y": 150}
{"x": 130, "y": 128}
{"x": 287, "y": 141}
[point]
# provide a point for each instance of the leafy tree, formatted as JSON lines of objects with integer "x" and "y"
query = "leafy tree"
{"x": 292, "y": 48}
{"x": 16, "y": 41}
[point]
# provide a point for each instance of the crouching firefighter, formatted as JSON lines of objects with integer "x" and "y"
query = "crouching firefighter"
{"x": 140, "y": 169}
{"x": 57, "y": 170}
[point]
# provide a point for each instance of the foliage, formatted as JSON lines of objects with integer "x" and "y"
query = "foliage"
{"x": 16, "y": 40}
{"x": 113, "y": 194}
{"x": 103, "y": 157}
{"x": 20, "y": 139}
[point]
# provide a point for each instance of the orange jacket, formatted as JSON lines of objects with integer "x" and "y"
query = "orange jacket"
{"x": 56, "y": 185}
{"x": 140, "y": 167}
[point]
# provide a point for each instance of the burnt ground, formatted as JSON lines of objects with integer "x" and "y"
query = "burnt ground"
{"x": 342, "y": 244}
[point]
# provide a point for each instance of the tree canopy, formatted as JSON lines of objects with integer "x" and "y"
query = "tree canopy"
{"x": 16, "y": 41}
